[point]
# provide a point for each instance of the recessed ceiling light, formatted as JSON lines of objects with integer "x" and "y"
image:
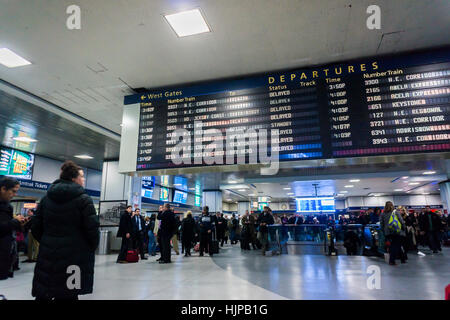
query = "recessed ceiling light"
{"x": 230, "y": 181}
{"x": 355, "y": 180}
{"x": 414, "y": 183}
{"x": 290, "y": 193}
{"x": 398, "y": 190}
{"x": 24, "y": 139}
{"x": 287, "y": 188}
{"x": 187, "y": 23}
{"x": 429, "y": 172}
{"x": 408, "y": 191}
{"x": 242, "y": 190}
{"x": 405, "y": 177}
{"x": 349, "y": 186}
{"x": 11, "y": 60}
{"x": 251, "y": 195}
{"x": 83, "y": 156}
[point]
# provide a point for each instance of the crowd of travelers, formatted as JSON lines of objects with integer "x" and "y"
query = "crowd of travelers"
{"x": 63, "y": 232}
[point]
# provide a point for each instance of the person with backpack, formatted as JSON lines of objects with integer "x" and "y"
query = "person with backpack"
{"x": 391, "y": 223}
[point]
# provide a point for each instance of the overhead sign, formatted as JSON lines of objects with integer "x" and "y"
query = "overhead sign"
{"x": 378, "y": 106}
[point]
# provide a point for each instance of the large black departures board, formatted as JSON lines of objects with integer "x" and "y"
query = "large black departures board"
{"x": 379, "y": 106}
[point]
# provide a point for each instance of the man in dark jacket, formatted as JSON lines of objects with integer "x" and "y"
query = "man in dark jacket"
{"x": 167, "y": 230}
{"x": 188, "y": 230}
{"x": 248, "y": 231}
{"x": 221, "y": 225}
{"x": 67, "y": 228}
{"x": 206, "y": 227}
{"x": 124, "y": 232}
{"x": 8, "y": 189}
{"x": 431, "y": 225}
{"x": 138, "y": 224}
{"x": 265, "y": 219}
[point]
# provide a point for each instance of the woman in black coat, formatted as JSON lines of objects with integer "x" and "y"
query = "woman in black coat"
{"x": 8, "y": 224}
{"x": 188, "y": 230}
{"x": 67, "y": 228}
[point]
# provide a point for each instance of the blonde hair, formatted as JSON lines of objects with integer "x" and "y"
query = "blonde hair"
{"x": 188, "y": 213}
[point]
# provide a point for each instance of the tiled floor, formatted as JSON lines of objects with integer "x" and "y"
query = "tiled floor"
{"x": 233, "y": 274}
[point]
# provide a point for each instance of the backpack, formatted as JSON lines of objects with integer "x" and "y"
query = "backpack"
{"x": 394, "y": 223}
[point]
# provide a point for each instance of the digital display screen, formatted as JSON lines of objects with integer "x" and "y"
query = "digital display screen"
{"x": 377, "y": 106}
{"x": 319, "y": 204}
{"x": 261, "y": 205}
{"x": 164, "y": 194}
{"x": 148, "y": 182}
{"x": 180, "y": 197}
{"x": 16, "y": 164}
{"x": 180, "y": 183}
{"x": 198, "y": 201}
{"x": 147, "y": 193}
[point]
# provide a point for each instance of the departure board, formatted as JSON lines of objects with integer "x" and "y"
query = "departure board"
{"x": 376, "y": 106}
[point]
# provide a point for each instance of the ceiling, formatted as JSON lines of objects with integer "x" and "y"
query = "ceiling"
{"x": 127, "y": 44}
{"x": 382, "y": 175}
{"x": 57, "y": 137}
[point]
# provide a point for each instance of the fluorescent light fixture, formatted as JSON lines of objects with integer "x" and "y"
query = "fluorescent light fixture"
{"x": 287, "y": 188}
{"x": 425, "y": 193}
{"x": 429, "y": 172}
{"x": 242, "y": 190}
{"x": 11, "y": 60}
{"x": 121, "y": 124}
{"x": 83, "y": 156}
{"x": 24, "y": 139}
{"x": 405, "y": 177}
{"x": 398, "y": 190}
{"x": 290, "y": 193}
{"x": 230, "y": 181}
{"x": 355, "y": 180}
{"x": 229, "y": 200}
{"x": 251, "y": 195}
{"x": 349, "y": 186}
{"x": 340, "y": 195}
{"x": 343, "y": 191}
{"x": 187, "y": 23}
{"x": 414, "y": 183}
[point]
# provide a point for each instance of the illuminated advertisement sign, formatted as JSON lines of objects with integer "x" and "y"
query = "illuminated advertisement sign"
{"x": 164, "y": 194}
{"x": 16, "y": 164}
